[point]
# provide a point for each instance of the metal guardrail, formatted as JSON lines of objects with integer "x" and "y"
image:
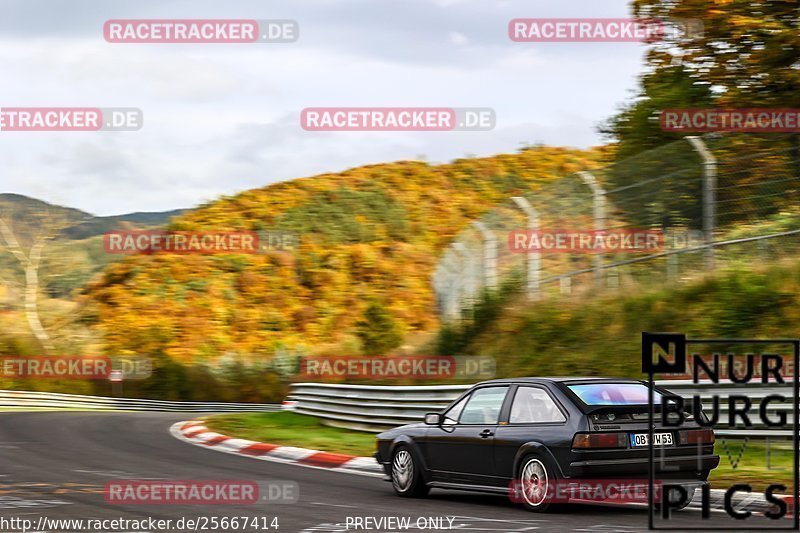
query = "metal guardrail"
{"x": 39, "y": 400}
{"x": 375, "y": 408}
{"x": 369, "y": 407}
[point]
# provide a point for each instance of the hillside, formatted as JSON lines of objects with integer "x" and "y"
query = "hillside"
{"x": 71, "y": 254}
{"x": 98, "y": 225}
{"x": 369, "y": 239}
{"x": 23, "y": 210}
{"x": 601, "y": 336}
{"x": 75, "y": 251}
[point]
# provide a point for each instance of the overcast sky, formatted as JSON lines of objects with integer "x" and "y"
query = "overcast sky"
{"x": 222, "y": 118}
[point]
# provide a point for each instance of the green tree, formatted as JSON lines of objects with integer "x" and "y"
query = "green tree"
{"x": 636, "y": 127}
{"x": 745, "y": 55}
{"x": 378, "y": 331}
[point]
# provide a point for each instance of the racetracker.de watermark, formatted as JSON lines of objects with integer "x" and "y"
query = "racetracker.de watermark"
{"x": 601, "y": 30}
{"x": 398, "y": 119}
{"x": 619, "y": 491}
{"x": 744, "y": 120}
{"x": 71, "y": 119}
{"x": 397, "y": 367}
{"x": 200, "y": 492}
{"x": 585, "y": 241}
{"x": 200, "y": 31}
{"x": 74, "y": 367}
{"x": 198, "y": 242}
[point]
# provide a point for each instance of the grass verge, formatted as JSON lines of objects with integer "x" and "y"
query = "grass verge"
{"x": 740, "y": 462}
{"x": 293, "y": 429}
{"x": 749, "y": 462}
{"x": 601, "y": 335}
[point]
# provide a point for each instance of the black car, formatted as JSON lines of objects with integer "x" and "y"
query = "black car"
{"x": 539, "y": 432}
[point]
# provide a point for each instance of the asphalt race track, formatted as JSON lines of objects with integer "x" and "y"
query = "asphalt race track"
{"x": 56, "y": 464}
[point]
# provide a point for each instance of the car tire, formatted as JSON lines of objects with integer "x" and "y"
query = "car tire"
{"x": 689, "y": 497}
{"x": 406, "y": 474}
{"x": 690, "y": 492}
{"x": 535, "y": 483}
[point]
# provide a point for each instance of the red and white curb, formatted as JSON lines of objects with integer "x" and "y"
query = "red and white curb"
{"x": 195, "y": 432}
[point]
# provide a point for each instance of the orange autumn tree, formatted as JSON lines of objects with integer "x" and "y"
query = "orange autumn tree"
{"x": 368, "y": 236}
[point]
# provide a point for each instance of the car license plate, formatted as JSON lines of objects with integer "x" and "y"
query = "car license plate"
{"x": 659, "y": 439}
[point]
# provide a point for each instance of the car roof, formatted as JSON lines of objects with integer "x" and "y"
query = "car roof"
{"x": 560, "y": 379}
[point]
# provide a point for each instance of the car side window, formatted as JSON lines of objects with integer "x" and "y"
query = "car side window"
{"x": 452, "y": 414}
{"x": 533, "y": 405}
{"x": 484, "y": 406}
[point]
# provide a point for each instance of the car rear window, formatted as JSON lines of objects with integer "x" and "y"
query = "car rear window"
{"x": 613, "y": 393}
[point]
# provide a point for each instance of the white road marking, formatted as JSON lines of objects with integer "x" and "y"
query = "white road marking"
{"x": 117, "y": 474}
{"x": 12, "y": 502}
{"x": 335, "y": 505}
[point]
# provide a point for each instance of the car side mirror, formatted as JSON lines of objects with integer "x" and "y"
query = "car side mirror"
{"x": 434, "y": 419}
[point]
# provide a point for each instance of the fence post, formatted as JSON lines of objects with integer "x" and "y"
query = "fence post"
{"x": 441, "y": 285}
{"x": 672, "y": 267}
{"x": 446, "y": 280}
{"x": 599, "y": 196}
{"x": 489, "y": 255}
{"x": 533, "y": 259}
{"x": 613, "y": 278}
{"x": 709, "y": 195}
{"x": 566, "y": 285}
{"x": 468, "y": 282}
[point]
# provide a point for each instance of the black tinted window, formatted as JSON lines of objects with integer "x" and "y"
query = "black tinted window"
{"x": 452, "y": 414}
{"x": 532, "y": 405}
{"x": 484, "y": 406}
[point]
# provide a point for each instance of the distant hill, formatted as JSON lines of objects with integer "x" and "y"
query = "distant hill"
{"x": 73, "y": 256}
{"x": 25, "y": 215}
{"x": 23, "y": 208}
{"x": 99, "y": 225}
{"x": 358, "y": 282}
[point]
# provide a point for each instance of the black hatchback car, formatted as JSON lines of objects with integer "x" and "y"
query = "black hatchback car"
{"x": 537, "y": 432}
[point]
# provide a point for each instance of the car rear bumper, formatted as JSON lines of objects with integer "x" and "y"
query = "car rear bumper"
{"x": 679, "y": 465}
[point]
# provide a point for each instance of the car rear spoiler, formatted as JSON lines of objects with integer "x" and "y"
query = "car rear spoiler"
{"x": 618, "y": 409}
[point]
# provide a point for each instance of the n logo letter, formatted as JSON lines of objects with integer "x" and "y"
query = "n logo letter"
{"x": 663, "y": 353}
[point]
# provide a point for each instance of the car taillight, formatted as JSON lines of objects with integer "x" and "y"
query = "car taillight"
{"x": 599, "y": 440}
{"x": 697, "y": 436}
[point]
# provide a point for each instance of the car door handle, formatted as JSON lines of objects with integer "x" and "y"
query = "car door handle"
{"x": 486, "y": 433}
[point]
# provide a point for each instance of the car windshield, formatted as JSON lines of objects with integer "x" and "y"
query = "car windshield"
{"x": 613, "y": 393}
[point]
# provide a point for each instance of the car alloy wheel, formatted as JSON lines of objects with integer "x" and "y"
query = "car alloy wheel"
{"x": 403, "y": 471}
{"x": 534, "y": 483}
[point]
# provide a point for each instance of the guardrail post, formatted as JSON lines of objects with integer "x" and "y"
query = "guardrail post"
{"x": 533, "y": 259}
{"x": 709, "y": 196}
{"x": 599, "y": 197}
{"x": 489, "y": 255}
